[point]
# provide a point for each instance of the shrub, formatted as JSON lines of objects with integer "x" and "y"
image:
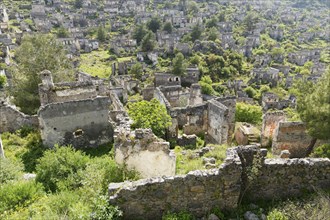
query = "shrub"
{"x": 322, "y": 151}
{"x": 276, "y": 215}
{"x": 101, "y": 171}
{"x": 20, "y": 194}
{"x": 63, "y": 205}
{"x": 150, "y": 115}
{"x": 248, "y": 113}
{"x": 102, "y": 210}
{"x": 9, "y": 170}
{"x": 61, "y": 168}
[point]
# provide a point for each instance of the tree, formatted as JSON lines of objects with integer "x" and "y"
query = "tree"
{"x": 101, "y": 34}
{"x": 196, "y": 32}
{"x": 248, "y": 113}
{"x": 35, "y": 54}
{"x": 212, "y": 22}
{"x": 139, "y": 33}
{"x": 150, "y": 115}
{"x": 154, "y": 24}
{"x": 168, "y": 27}
{"x": 179, "y": 66}
{"x": 148, "y": 42}
{"x": 206, "y": 86}
{"x": 314, "y": 108}
{"x": 136, "y": 71}
{"x": 78, "y": 3}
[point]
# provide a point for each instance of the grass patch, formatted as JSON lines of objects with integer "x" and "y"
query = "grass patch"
{"x": 96, "y": 63}
{"x": 186, "y": 160}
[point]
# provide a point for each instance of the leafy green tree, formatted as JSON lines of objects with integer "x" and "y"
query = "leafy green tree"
{"x": 136, "y": 71}
{"x": 154, "y": 24}
{"x": 248, "y": 113}
{"x": 78, "y": 3}
{"x": 61, "y": 169}
{"x": 35, "y": 54}
{"x": 179, "y": 67}
{"x": 314, "y": 108}
{"x": 150, "y": 115}
{"x": 148, "y": 42}
{"x": 101, "y": 35}
{"x": 139, "y": 33}
{"x": 196, "y": 32}
{"x": 168, "y": 27}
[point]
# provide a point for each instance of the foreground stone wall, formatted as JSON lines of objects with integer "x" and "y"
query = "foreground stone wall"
{"x": 11, "y": 119}
{"x": 80, "y": 123}
{"x": 197, "y": 192}
{"x": 200, "y": 191}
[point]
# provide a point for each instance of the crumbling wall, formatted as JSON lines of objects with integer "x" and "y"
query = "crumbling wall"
{"x": 270, "y": 122}
{"x": 81, "y": 123}
{"x": 143, "y": 151}
{"x": 177, "y": 96}
{"x": 291, "y": 136}
{"x": 200, "y": 191}
{"x": 197, "y": 192}
{"x": 12, "y": 119}
{"x": 217, "y": 130}
{"x": 280, "y": 178}
{"x": 230, "y": 103}
{"x": 196, "y": 119}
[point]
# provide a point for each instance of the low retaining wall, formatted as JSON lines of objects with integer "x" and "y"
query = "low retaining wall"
{"x": 200, "y": 191}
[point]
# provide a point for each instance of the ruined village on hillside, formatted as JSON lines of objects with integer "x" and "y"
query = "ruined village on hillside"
{"x": 157, "y": 109}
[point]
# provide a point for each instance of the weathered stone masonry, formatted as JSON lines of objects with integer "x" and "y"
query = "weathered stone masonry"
{"x": 200, "y": 191}
{"x": 81, "y": 123}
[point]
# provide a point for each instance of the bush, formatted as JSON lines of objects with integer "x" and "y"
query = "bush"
{"x": 276, "y": 215}
{"x": 104, "y": 211}
{"x": 101, "y": 171}
{"x": 63, "y": 205}
{"x": 60, "y": 168}
{"x": 9, "y": 170}
{"x": 20, "y": 194}
{"x": 322, "y": 151}
{"x": 150, "y": 115}
{"x": 248, "y": 113}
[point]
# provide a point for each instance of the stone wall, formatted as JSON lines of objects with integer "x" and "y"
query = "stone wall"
{"x": 270, "y": 122}
{"x": 197, "y": 192}
{"x": 177, "y": 96}
{"x": 12, "y": 119}
{"x": 291, "y": 136}
{"x": 81, "y": 123}
{"x": 200, "y": 191}
{"x": 217, "y": 128}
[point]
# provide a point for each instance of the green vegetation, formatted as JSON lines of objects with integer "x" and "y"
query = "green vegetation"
{"x": 96, "y": 63}
{"x": 70, "y": 184}
{"x": 179, "y": 67}
{"x": 187, "y": 160}
{"x": 3, "y": 80}
{"x": 248, "y": 113}
{"x": 37, "y": 53}
{"x": 151, "y": 115}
